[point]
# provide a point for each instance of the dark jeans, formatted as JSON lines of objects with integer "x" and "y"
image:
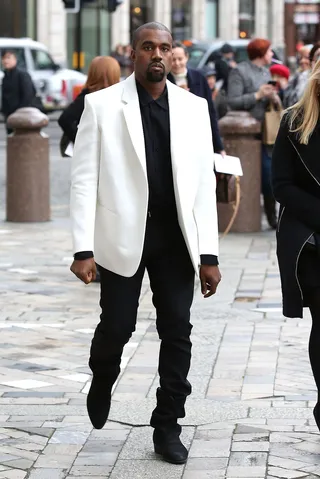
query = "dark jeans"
{"x": 266, "y": 153}
{"x": 166, "y": 258}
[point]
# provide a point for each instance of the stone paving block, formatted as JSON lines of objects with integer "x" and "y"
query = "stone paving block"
{"x": 251, "y": 446}
{"x": 48, "y": 474}
{"x": 95, "y": 459}
{"x": 210, "y": 448}
{"x": 91, "y": 471}
{"x": 246, "y": 472}
{"x": 137, "y": 469}
{"x": 55, "y": 461}
{"x": 13, "y": 474}
{"x": 286, "y": 473}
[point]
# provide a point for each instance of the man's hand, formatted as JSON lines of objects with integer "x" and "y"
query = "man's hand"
{"x": 223, "y": 153}
{"x": 210, "y": 277}
{"x": 84, "y": 269}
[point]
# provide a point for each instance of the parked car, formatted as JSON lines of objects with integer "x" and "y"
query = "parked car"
{"x": 53, "y": 82}
{"x": 206, "y": 54}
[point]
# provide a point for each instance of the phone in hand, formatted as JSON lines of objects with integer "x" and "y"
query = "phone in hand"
{"x": 272, "y": 82}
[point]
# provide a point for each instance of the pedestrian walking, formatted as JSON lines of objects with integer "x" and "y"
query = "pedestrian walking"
{"x": 217, "y": 94}
{"x": 195, "y": 82}
{"x": 299, "y": 81}
{"x": 280, "y": 75}
{"x": 17, "y": 90}
{"x": 250, "y": 89}
{"x": 296, "y": 186}
{"x": 143, "y": 198}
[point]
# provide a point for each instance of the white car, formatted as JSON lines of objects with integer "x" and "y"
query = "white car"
{"x": 53, "y": 82}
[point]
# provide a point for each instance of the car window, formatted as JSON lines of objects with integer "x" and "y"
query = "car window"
{"x": 42, "y": 60}
{"x": 20, "y": 54}
{"x": 195, "y": 55}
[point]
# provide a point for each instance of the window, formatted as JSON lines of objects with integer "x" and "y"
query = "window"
{"x": 42, "y": 60}
{"x": 246, "y": 18}
{"x": 20, "y": 54}
{"x": 181, "y": 19}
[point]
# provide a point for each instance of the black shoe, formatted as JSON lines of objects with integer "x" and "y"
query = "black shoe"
{"x": 99, "y": 402}
{"x": 169, "y": 446}
{"x": 316, "y": 414}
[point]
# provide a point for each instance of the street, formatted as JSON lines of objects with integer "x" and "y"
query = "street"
{"x": 250, "y": 413}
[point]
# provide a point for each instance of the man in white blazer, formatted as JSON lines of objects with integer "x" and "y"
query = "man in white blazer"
{"x": 143, "y": 198}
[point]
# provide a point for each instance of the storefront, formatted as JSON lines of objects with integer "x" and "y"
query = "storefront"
{"x": 302, "y": 19}
{"x": 88, "y": 32}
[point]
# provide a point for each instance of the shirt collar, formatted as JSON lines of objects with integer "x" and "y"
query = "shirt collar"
{"x": 145, "y": 98}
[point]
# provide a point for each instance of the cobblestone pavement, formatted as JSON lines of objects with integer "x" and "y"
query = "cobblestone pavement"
{"x": 250, "y": 414}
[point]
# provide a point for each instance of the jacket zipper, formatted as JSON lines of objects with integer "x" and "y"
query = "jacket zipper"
{"x": 279, "y": 222}
{"x": 297, "y": 263}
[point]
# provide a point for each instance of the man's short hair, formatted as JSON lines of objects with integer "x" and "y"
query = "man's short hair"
{"x": 148, "y": 26}
{"x": 8, "y": 52}
{"x": 177, "y": 44}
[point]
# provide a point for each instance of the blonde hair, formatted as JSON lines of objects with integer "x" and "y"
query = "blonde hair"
{"x": 304, "y": 115}
{"x": 103, "y": 72}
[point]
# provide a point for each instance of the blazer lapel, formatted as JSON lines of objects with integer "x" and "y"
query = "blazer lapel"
{"x": 132, "y": 114}
{"x": 176, "y": 126}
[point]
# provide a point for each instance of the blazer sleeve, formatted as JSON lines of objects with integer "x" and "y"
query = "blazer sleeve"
{"x": 84, "y": 180}
{"x": 237, "y": 98}
{"x": 205, "y": 207}
{"x": 216, "y": 138}
{"x": 70, "y": 118}
{"x": 298, "y": 202}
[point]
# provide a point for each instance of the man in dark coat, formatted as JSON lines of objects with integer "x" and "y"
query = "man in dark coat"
{"x": 224, "y": 65}
{"x": 18, "y": 90}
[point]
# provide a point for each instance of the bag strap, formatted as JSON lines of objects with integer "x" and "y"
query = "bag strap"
{"x": 235, "y": 206}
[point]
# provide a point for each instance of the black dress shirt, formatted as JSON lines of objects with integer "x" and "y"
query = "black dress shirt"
{"x": 156, "y": 129}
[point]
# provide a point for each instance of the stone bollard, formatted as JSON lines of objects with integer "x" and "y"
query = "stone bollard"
{"x": 239, "y": 131}
{"x": 28, "y": 178}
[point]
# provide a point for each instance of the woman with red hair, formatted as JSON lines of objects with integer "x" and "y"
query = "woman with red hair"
{"x": 249, "y": 89}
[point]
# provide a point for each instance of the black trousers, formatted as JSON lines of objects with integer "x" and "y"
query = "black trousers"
{"x": 171, "y": 273}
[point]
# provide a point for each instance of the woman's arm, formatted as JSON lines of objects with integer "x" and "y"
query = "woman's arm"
{"x": 70, "y": 118}
{"x": 299, "y": 203}
{"x": 237, "y": 98}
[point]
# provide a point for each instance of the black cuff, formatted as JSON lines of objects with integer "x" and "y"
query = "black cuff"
{"x": 83, "y": 255}
{"x": 209, "y": 260}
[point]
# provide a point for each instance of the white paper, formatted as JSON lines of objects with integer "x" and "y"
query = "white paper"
{"x": 230, "y": 165}
{"x": 69, "y": 150}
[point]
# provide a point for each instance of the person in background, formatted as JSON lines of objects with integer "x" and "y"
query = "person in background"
{"x": 118, "y": 54}
{"x": 299, "y": 81}
{"x": 296, "y": 186}
{"x": 224, "y": 65}
{"x": 17, "y": 89}
{"x": 249, "y": 89}
{"x": 103, "y": 72}
{"x": 194, "y": 81}
{"x": 314, "y": 54}
{"x": 218, "y": 95}
{"x": 281, "y": 74}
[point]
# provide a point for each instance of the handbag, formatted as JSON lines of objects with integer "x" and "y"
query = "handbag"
{"x": 271, "y": 124}
{"x": 228, "y": 191}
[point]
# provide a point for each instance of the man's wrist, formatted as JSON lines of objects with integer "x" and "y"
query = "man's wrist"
{"x": 82, "y": 255}
{"x": 209, "y": 260}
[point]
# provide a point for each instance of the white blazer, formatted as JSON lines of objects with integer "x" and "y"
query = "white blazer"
{"x": 109, "y": 187}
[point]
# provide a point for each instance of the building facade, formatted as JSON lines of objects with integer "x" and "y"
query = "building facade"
{"x": 302, "y": 23}
{"x": 76, "y": 38}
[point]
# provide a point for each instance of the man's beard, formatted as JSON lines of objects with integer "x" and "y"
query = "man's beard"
{"x": 155, "y": 77}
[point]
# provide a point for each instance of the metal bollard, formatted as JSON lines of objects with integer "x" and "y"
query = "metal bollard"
{"x": 239, "y": 131}
{"x": 28, "y": 178}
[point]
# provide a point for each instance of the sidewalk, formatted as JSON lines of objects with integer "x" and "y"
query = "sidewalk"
{"x": 250, "y": 414}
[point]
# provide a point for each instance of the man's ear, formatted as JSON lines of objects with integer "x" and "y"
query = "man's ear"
{"x": 133, "y": 55}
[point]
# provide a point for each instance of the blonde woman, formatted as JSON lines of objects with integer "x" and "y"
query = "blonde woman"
{"x": 296, "y": 186}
